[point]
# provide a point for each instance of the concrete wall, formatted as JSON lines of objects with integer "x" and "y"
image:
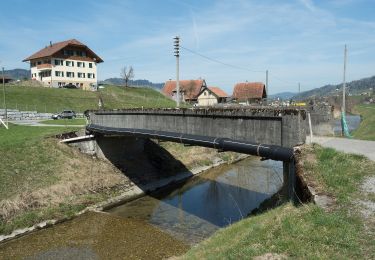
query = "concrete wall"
{"x": 322, "y": 120}
{"x": 14, "y": 114}
{"x": 285, "y": 127}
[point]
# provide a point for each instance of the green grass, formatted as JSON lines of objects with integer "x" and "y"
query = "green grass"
{"x": 23, "y": 135}
{"x": 27, "y": 159}
{"x": 53, "y": 100}
{"x": 366, "y": 130}
{"x": 31, "y": 162}
{"x": 67, "y": 122}
{"x": 305, "y": 232}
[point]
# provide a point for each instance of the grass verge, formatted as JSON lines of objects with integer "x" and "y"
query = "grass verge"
{"x": 306, "y": 231}
{"x": 366, "y": 130}
{"x": 67, "y": 122}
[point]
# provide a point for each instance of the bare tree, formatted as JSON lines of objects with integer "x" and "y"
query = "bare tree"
{"x": 190, "y": 88}
{"x": 127, "y": 74}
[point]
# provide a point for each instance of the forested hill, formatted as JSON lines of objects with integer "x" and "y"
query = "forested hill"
{"x": 354, "y": 87}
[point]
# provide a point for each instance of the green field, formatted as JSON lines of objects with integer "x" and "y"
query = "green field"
{"x": 366, "y": 130}
{"x": 53, "y": 100}
{"x": 67, "y": 122}
{"x": 307, "y": 231}
{"x": 39, "y": 177}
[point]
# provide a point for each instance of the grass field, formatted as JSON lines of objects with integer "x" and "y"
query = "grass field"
{"x": 67, "y": 122}
{"x": 366, "y": 130}
{"x": 306, "y": 232}
{"x": 42, "y": 179}
{"x": 53, "y": 100}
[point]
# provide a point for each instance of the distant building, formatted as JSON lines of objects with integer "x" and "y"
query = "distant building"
{"x": 249, "y": 92}
{"x": 6, "y": 79}
{"x": 189, "y": 89}
{"x": 67, "y": 63}
{"x": 211, "y": 96}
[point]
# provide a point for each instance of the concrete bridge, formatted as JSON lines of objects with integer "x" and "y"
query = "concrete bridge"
{"x": 270, "y": 133}
{"x": 273, "y": 126}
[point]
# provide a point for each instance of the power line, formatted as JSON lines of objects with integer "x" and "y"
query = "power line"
{"x": 220, "y": 62}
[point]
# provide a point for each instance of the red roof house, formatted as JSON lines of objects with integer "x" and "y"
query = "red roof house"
{"x": 189, "y": 89}
{"x": 249, "y": 92}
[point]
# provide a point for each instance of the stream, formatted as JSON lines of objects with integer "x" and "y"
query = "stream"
{"x": 159, "y": 225}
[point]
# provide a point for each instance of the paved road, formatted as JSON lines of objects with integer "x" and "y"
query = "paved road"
{"x": 366, "y": 148}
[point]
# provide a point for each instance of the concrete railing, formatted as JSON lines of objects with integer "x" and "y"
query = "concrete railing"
{"x": 284, "y": 127}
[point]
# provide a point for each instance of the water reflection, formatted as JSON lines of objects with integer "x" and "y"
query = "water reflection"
{"x": 206, "y": 203}
{"x": 353, "y": 122}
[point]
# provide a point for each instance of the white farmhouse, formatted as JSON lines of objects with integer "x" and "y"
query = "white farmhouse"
{"x": 67, "y": 63}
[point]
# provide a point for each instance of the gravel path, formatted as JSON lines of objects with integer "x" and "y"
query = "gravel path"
{"x": 366, "y": 148}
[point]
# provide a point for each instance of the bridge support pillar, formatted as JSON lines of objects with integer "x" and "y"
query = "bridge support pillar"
{"x": 289, "y": 175}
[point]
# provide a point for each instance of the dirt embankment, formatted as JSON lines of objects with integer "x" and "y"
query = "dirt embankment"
{"x": 77, "y": 180}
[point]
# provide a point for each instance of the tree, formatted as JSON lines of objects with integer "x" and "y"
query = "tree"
{"x": 190, "y": 88}
{"x": 127, "y": 74}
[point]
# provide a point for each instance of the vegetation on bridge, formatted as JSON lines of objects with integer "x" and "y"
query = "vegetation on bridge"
{"x": 307, "y": 231}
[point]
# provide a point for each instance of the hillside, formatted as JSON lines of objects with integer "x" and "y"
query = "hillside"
{"x": 283, "y": 95}
{"x": 53, "y": 100}
{"x": 18, "y": 73}
{"x": 354, "y": 87}
{"x": 133, "y": 83}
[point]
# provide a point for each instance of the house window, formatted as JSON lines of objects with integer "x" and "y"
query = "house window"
{"x": 90, "y": 65}
{"x": 59, "y": 73}
{"x": 69, "y": 63}
{"x": 68, "y": 53}
{"x": 70, "y": 74}
{"x": 91, "y": 75}
{"x": 39, "y": 62}
{"x": 81, "y": 75}
{"x": 80, "y": 64}
{"x": 59, "y": 62}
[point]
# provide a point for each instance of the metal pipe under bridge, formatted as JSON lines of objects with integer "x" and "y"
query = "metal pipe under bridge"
{"x": 269, "y": 133}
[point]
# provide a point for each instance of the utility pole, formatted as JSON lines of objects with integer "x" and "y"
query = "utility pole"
{"x": 344, "y": 126}
{"x": 5, "y": 104}
{"x": 177, "y": 54}
{"x": 267, "y": 86}
{"x": 344, "y": 83}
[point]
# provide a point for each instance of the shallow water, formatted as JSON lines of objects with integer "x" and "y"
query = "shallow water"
{"x": 353, "y": 122}
{"x": 160, "y": 225}
{"x": 210, "y": 201}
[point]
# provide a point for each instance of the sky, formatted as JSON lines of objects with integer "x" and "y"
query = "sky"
{"x": 296, "y": 41}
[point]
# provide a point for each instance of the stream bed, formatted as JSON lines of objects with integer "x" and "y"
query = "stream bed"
{"x": 160, "y": 225}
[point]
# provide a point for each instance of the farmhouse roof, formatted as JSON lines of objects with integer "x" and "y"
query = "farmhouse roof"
{"x": 54, "y": 48}
{"x": 218, "y": 92}
{"x": 191, "y": 88}
{"x": 249, "y": 90}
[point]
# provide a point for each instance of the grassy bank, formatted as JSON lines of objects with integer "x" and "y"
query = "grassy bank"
{"x": 43, "y": 179}
{"x": 366, "y": 130}
{"x": 307, "y": 231}
{"x": 67, "y": 122}
{"x": 44, "y": 99}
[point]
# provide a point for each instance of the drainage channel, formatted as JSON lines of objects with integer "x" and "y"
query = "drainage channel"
{"x": 159, "y": 225}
